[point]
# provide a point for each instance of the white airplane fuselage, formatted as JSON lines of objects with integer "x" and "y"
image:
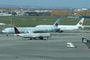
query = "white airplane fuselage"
{"x": 67, "y": 27}
{"x": 63, "y": 27}
{"x": 34, "y": 35}
{"x": 34, "y": 29}
{"x": 30, "y": 29}
{"x": 31, "y": 35}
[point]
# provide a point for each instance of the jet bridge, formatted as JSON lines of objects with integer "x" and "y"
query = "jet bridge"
{"x": 86, "y": 41}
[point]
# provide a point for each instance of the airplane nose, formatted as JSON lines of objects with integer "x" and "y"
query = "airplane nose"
{"x": 3, "y": 31}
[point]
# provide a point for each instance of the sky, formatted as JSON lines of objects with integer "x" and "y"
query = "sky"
{"x": 49, "y": 3}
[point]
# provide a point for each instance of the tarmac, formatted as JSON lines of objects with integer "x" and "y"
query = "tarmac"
{"x": 54, "y": 48}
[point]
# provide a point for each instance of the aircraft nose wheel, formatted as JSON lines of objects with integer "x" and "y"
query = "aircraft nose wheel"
{"x": 41, "y": 38}
{"x": 6, "y": 34}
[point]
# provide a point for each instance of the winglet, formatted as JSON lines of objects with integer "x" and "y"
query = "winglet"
{"x": 80, "y": 23}
{"x": 56, "y": 23}
{"x": 16, "y": 30}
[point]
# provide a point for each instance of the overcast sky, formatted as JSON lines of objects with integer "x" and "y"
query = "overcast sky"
{"x": 49, "y": 3}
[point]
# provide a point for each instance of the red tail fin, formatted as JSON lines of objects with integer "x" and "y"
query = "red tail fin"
{"x": 16, "y": 30}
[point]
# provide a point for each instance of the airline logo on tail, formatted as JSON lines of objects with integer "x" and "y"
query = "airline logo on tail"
{"x": 16, "y": 30}
{"x": 80, "y": 22}
{"x": 56, "y": 23}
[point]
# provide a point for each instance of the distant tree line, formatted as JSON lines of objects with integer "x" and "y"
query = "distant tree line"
{"x": 83, "y": 13}
{"x": 58, "y": 12}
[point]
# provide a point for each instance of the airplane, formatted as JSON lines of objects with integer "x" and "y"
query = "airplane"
{"x": 32, "y": 35}
{"x": 29, "y": 30}
{"x": 67, "y": 27}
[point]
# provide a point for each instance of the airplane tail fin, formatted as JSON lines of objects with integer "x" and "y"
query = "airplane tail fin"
{"x": 56, "y": 23}
{"x": 16, "y": 30}
{"x": 80, "y": 23}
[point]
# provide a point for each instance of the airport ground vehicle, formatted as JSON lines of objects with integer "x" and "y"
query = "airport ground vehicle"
{"x": 86, "y": 41}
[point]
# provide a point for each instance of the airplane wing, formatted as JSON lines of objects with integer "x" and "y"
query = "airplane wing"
{"x": 27, "y": 31}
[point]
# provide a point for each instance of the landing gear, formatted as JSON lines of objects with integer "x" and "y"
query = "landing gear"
{"x": 60, "y": 31}
{"x": 33, "y": 38}
{"x": 41, "y": 38}
{"x": 47, "y": 37}
{"x": 30, "y": 38}
{"x": 37, "y": 38}
{"x": 6, "y": 34}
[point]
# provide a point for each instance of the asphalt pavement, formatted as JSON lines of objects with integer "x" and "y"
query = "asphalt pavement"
{"x": 55, "y": 48}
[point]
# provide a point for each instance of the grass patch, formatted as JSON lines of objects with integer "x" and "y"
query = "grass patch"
{"x": 32, "y": 21}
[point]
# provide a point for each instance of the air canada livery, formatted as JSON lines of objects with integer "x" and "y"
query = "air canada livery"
{"x": 32, "y": 35}
{"x": 67, "y": 27}
{"x": 29, "y": 30}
